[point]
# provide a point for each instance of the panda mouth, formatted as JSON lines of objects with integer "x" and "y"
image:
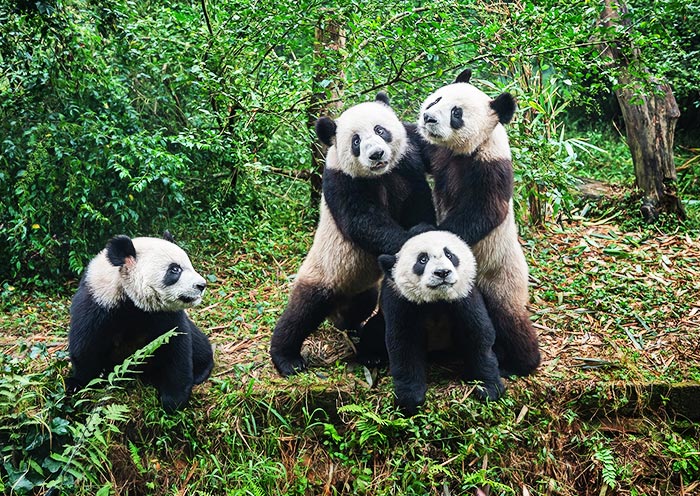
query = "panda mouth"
{"x": 441, "y": 284}
{"x": 377, "y": 166}
{"x": 429, "y": 130}
{"x": 188, "y": 299}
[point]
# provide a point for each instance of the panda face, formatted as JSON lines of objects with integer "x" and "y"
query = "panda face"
{"x": 461, "y": 117}
{"x": 369, "y": 140}
{"x": 434, "y": 266}
{"x": 155, "y": 274}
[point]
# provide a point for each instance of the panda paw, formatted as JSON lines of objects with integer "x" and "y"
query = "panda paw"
{"x": 421, "y": 228}
{"x": 287, "y": 366}
{"x": 408, "y": 402}
{"x": 489, "y": 391}
{"x": 72, "y": 385}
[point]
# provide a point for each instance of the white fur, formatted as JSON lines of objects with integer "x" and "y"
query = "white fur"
{"x": 502, "y": 268}
{"x": 361, "y": 119}
{"x": 480, "y": 120}
{"x": 334, "y": 262}
{"x": 428, "y": 287}
{"x": 141, "y": 279}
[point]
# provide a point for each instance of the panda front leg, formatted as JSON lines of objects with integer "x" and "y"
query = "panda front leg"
{"x": 405, "y": 342}
{"x": 170, "y": 370}
{"x": 308, "y": 307}
{"x": 202, "y": 354}
{"x": 475, "y": 336}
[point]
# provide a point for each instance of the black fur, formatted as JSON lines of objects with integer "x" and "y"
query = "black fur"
{"x": 376, "y": 213}
{"x": 456, "y": 120}
{"x": 101, "y": 338}
{"x": 119, "y": 248}
{"x": 325, "y": 130}
{"x": 475, "y": 193}
{"x": 382, "y": 97}
{"x": 407, "y": 334}
{"x": 504, "y": 106}
{"x": 307, "y": 308}
{"x": 464, "y": 76}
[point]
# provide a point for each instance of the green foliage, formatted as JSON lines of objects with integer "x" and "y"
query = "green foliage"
{"x": 50, "y": 441}
{"x": 125, "y": 117}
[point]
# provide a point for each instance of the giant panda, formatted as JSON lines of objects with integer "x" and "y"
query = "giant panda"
{"x": 374, "y": 189}
{"x": 430, "y": 303}
{"x": 133, "y": 291}
{"x": 471, "y": 164}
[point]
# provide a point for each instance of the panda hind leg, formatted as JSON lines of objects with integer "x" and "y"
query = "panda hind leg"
{"x": 353, "y": 311}
{"x": 308, "y": 307}
{"x": 371, "y": 349}
{"x": 516, "y": 345}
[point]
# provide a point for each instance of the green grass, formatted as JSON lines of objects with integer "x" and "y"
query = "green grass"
{"x": 614, "y": 302}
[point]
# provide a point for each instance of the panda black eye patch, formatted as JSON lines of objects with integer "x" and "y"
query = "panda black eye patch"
{"x": 456, "y": 120}
{"x": 452, "y": 257}
{"x": 435, "y": 102}
{"x": 355, "y": 145}
{"x": 383, "y": 133}
{"x": 172, "y": 275}
{"x": 419, "y": 266}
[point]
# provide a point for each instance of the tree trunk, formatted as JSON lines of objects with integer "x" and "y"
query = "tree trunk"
{"x": 650, "y": 116}
{"x": 329, "y": 45}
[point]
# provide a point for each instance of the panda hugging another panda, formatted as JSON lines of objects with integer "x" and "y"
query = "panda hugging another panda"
{"x": 462, "y": 143}
{"x": 374, "y": 190}
{"x": 132, "y": 292}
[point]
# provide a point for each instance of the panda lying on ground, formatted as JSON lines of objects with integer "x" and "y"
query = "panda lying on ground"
{"x": 374, "y": 189}
{"x": 430, "y": 303}
{"x": 473, "y": 173}
{"x": 132, "y": 292}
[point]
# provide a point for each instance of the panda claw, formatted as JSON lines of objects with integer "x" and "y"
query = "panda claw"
{"x": 489, "y": 391}
{"x": 289, "y": 366}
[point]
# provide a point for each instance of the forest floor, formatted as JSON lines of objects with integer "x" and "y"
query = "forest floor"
{"x": 613, "y": 409}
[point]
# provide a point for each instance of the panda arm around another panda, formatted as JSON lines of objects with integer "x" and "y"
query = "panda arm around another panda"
{"x": 482, "y": 202}
{"x": 355, "y": 206}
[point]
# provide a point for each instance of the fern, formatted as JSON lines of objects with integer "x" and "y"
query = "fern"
{"x": 605, "y": 456}
{"x": 371, "y": 425}
{"x": 88, "y": 456}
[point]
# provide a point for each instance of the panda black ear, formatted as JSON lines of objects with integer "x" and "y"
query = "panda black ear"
{"x": 464, "y": 76}
{"x": 168, "y": 237}
{"x": 119, "y": 248}
{"x": 325, "y": 130}
{"x": 504, "y": 105}
{"x": 382, "y": 97}
{"x": 386, "y": 262}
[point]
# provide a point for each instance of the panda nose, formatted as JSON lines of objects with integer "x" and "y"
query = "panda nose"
{"x": 201, "y": 285}
{"x": 442, "y": 273}
{"x": 378, "y": 155}
{"x": 429, "y": 119}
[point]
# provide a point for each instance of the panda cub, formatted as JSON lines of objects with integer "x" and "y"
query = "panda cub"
{"x": 132, "y": 292}
{"x": 430, "y": 303}
{"x": 473, "y": 172}
{"x": 374, "y": 190}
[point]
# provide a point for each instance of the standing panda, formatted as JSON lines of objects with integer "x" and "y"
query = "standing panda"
{"x": 374, "y": 189}
{"x": 473, "y": 173}
{"x": 430, "y": 303}
{"x": 132, "y": 292}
